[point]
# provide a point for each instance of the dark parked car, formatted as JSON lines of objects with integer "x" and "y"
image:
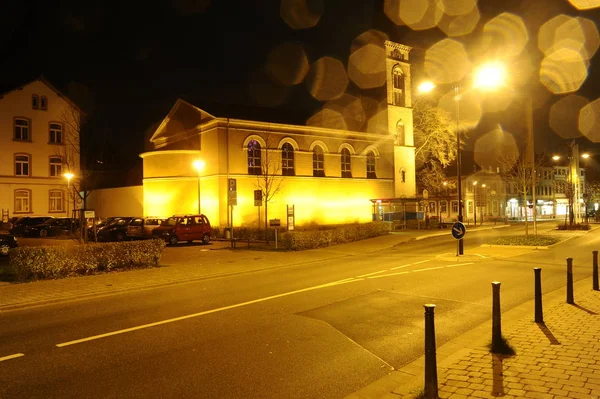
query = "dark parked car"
{"x": 21, "y": 224}
{"x": 115, "y": 230}
{"x": 53, "y": 227}
{"x": 7, "y": 241}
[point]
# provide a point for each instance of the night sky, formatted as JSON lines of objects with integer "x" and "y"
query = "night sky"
{"x": 126, "y": 62}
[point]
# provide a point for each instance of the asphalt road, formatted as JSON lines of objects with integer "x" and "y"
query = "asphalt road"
{"x": 317, "y": 330}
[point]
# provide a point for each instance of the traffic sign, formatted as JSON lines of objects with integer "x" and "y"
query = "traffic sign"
{"x": 458, "y": 230}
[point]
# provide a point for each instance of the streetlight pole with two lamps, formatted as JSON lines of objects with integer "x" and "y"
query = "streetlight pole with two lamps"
{"x": 199, "y": 166}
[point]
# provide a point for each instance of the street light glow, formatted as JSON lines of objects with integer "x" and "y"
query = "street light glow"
{"x": 426, "y": 87}
{"x": 199, "y": 165}
{"x": 585, "y": 155}
{"x": 556, "y": 157}
{"x": 490, "y": 76}
{"x": 69, "y": 176}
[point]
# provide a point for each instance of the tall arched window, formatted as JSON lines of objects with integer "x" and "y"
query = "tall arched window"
{"x": 398, "y": 86}
{"x": 287, "y": 160}
{"x": 399, "y": 133}
{"x": 254, "y": 159}
{"x": 346, "y": 165}
{"x": 371, "y": 166}
{"x": 318, "y": 162}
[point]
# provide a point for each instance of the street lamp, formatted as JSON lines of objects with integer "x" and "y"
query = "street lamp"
{"x": 475, "y": 203}
{"x": 199, "y": 166}
{"x": 69, "y": 176}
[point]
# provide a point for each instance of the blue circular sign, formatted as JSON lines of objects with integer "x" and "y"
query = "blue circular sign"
{"x": 458, "y": 230}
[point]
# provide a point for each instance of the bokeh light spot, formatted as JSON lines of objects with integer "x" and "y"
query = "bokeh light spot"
{"x": 264, "y": 91}
{"x": 328, "y": 118}
{"x": 458, "y": 7}
{"x": 577, "y": 34}
{"x": 506, "y": 34}
{"x": 563, "y": 71}
{"x": 589, "y": 121}
{"x": 378, "y": 123}
{"x": 496, "y": 148}
{"x": 585, "y": 4}
{"x": 366, "y": 66}
{"x": 469, "y": 108}
{"x": 564, "y": 116}
{"x": 301, "y": 14}
{"x": 417, "y": 14}
{"x": 288, "y": 64}
{"x": 327, "y": 79}
{"x": 437, "y": 66}
{"x": 461, "y": 24}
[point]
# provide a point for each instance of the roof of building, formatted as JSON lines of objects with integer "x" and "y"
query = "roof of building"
{"x": 8, "y": 88}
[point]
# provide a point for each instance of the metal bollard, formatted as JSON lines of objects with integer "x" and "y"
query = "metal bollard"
{"x": 570, "y": 299}
{"x": 595, "y": 271}
{"x": 431, "y": 383}
{"x": 539, "y": 315}
{"x": 496, "y": 321}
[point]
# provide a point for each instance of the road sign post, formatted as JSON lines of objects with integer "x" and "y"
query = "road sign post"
{"x": 458, "y": 232}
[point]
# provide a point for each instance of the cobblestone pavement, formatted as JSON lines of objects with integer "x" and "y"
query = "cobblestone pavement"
{"x": 555, "y": 360}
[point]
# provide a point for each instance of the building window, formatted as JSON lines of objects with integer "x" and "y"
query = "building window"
{"x": 35, "y": 102}
{"x": 254, "y": 158}
{"x": 44, "y": 103}
{"x": 287, "y": 160}
{"x": 371, "y": 166}
{"x": 443, "y": 206}
{"x": 56, "y": 133}
{"x": 22, "y": 129}
{"x": 55, "y": 166}
{"x": 22, "y": 201}
{"x": 56, "y": 201}
{"x": 454, "y": 206}
{"x": 469, "y": 207}
{"x": 398, "y": 83}
{"x": 403, "y": 176}
{"x": 400, "y": 137}
{"x": 318, "y": 162}
{"x": 22, "y": 165}
{"x": 346, "y": 165}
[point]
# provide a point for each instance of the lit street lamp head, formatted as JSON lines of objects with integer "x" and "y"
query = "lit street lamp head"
{"x": 198, "y": 165}
{"x": 69, "y": 176}
{"x": 426, "y": 87}
{"x": 490, "y": 76}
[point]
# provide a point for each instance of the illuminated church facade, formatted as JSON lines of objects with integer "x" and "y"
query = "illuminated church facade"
{"x": 305, "y": 174}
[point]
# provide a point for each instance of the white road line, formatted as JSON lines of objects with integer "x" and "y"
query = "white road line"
{"x": 16, "y": 355}
{"x": 391, "y": 274}
{"x": 238, "y": 305}
{"x": 419, "y": 270}
{"x": 429, "y": 268}
{"x": 370, "y": 274}
{"x": 410, "y": 264}
{"x": 460, "y": 264}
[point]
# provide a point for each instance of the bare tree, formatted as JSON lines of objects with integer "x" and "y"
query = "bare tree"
{"x": 568, "y": 189}
{"x": 434, "y": 138}
{"x": 270, "y": 181}
{"x": 517, "y": 171}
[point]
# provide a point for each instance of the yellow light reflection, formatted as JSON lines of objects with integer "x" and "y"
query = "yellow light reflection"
{"x": 366, "y": 66}
{"x": 417, "y": 14}
{"x": 458, "y": 7}
{"x": 495, "y": 148}
{"x": 469, "y": 112}
{"x": 437, "y": 65}
{"x": 589, "y": 121}
{"x": 563, "y": 71}
{"x": 301, "y": 14}
{"x": 585, "y": 4}
{"x": 506, "y": 34}
{"x": 328, "y": 118}
{"x": 564, "y": 116}
{"x": 574, "y": 33}
{"x": 461, "y": 24}
{"x": 327, "y": 79}
{"x": 288, "y": 64}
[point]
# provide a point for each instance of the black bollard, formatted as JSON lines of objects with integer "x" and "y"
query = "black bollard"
{"x": 570, "y": 299}
{"x": 595, "y": 272}
{"x": 496, "y": 323}
{"x": 431, "y": 383}
{"x": 539, "y": 315}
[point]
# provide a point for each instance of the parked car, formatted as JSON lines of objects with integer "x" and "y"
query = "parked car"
{"x": 184, "y": 228}
{"x": 26, "y": 221}
{"x": 140, "y": 228}
{"x": 53, "y": 227}
{"x": 7, "y": 241}
{"x": 115, "y": 230}
{"x": 99, "y": 224}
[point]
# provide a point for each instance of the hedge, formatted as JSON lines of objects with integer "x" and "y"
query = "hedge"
{"x": 53, "y": 262}
{"x": 301, "y": 240}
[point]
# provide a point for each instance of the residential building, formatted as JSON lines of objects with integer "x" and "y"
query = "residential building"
{"x": 36, "y": 148}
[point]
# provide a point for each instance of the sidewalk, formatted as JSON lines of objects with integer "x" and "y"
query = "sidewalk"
{"x": 560, "y": 359}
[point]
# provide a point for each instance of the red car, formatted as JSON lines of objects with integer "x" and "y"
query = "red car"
{"x": 184, "y": 228}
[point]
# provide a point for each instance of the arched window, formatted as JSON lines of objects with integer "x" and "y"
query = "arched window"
{"x": 398, "y": 86}
{"x": 56, "y": 198}
{"x": 287, "y": 160}
{"x": 371, "y": 166}
{"x": 22, "y": 201}
{"x": 318, "y": 162}
{"x": 346, "y": 166}
{"x": 254, "y": 158}
{"x": 399, "y": 133}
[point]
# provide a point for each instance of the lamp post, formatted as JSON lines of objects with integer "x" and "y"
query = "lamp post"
{"x": 573, "y": 180}
{"x": 199, "y": 166}
{"x": 475, "y": 203}
{"x": 69, "y": 176}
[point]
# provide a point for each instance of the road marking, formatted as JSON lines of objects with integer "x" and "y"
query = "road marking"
{"x": 460, "y": 264}
{"x": 370, "y": 274}
{"x": 419, "y": 270}
{"x": 390, "y": 274}
{"x": 410, "y": 264}
{"x": 190, "y": 316}
{"x": 16, "y": 355}
{"x": 429, "y": 268}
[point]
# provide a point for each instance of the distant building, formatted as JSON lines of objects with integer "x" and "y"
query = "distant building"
{"x": 37, "y": 146}
{"x": 310, "y": 174}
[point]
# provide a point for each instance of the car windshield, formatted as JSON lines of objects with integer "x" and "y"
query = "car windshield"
{"x": 172, "y": 221}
